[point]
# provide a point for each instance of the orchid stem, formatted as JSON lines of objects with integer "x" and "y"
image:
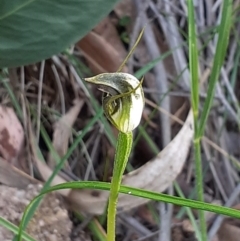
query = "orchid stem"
{"x": 123, "y": 149}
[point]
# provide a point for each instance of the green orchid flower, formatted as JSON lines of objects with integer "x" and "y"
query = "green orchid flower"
{"x": 123, "y": 99}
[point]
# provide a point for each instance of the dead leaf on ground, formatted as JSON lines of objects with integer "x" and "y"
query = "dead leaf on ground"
{"x": 102, "y": 57}
{"x": 228, "y": 232}
{"x": 13, "y": 177}
{"x": 230, "y": 228}
{"x": 178, "y": 234}
{"x": 63, "y": 130}
{"x": 163, "y": 46}
{"x": 11, "y": 134}
{"x": 187, "y": 226}
{"x": 44, "y": 170}
{"x": 60, "y": 142}
{"x": 124, "y": 8}
{"x": 144, "y": 213}
{"x": 108, "y": 31}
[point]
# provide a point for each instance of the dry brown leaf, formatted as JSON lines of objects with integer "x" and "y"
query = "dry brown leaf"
{"x": 108, "y": 31}
{"x": 141, "y": 53}
{"x": 163, "y": 46}
{"x": 101, "y": 56}
{"x": 62, "y": 131}
{"x": 11, "y": 134}
{"x": 60, "y": 143}
{"x": 46, "y": 172}
{"x": 215, "y": 238}
{"x": 187, "y": 226}
{"x": 228, "y": 232}
{"x": 124, "y": 8}
{"x": 237, "y": 206}
{"x": 13, "y": 177}
{"x": 43, "y": 168}
{"x": 144, "y": 213}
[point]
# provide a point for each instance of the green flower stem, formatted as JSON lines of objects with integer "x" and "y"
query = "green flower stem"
{"x": 199, "y": 185}
{"x": 193, "y": 65}
{"x": 123, "y": 149}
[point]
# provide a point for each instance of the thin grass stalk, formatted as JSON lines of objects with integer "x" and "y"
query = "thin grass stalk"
{"x": 14, "y": 229}
{"x": 193, "y": 65}
{"x": 199, "y": 126}
{"x": 94, "y": 226}
{"x": 13, "y": 97}
{"x": 199, "y": 184}
{"x": 222, "y": 43}
{"x": 189, "y": 211}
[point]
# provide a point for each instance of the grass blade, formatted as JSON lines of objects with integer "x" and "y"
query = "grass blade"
{"x": 223, "y": 37}
{"x": 13, "y": 228}
{"x": 135, "y": 192}
{"x": 193, "y": 65}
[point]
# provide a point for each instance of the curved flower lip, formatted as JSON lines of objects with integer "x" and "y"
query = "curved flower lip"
{"x": 128, "y": 104}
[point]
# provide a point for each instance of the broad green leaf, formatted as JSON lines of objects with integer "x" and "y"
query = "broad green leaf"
{"x": 33, "y": 30}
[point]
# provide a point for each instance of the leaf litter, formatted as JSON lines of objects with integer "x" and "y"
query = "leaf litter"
{"x": 11, "y": 135}
{"x": 103, "y": 51}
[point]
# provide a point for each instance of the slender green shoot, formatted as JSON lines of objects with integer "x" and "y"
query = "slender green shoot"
{"x": 193, "y": 66}
{"x": 14, "y": 100}
{"x": 220, "y": 52}
{"x": 13, "y": 228}
{"x": 94, "y": 227}
{"x": 189, "y": 212}
{"x": 199, "y": 125}
{"x": 123, "y": 149}
{"x": 131, "y": 51}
